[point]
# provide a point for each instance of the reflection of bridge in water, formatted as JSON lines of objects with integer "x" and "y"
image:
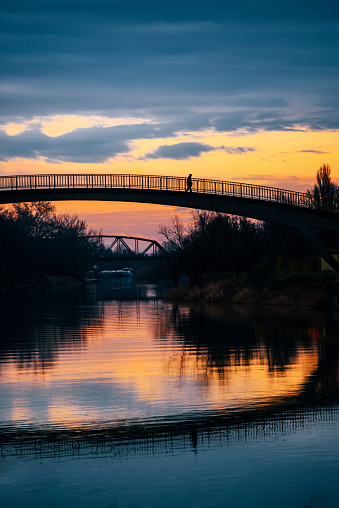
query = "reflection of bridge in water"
{"x": 290, "y": 208}
{"x": 175, "y": 436}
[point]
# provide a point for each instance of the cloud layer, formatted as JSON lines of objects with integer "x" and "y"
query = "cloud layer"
{"x": 189, "y": 66}
{"x": 186, "y": 150}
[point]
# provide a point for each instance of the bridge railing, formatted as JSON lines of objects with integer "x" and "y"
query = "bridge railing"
{"x": 154, "y": 182}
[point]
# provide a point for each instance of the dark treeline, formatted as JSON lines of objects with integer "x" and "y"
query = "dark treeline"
{"x": 216, "y": 242}
{"x": 36, "y": 241}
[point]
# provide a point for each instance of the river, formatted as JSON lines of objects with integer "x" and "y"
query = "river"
{"x": 113, "y": 397}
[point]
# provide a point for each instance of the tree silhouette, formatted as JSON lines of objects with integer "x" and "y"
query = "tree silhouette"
{"x": 212, "y": 242}
{"x": 37, "y": 241}
{"x": 325, "y": 194}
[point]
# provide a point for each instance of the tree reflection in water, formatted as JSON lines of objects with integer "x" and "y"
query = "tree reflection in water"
{"x": 223, "y": 336}
{"x": 35, "y": 328}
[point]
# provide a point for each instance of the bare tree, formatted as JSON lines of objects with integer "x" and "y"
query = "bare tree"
{"x": 212, "y": 242}
{"x": 175, "y": 235}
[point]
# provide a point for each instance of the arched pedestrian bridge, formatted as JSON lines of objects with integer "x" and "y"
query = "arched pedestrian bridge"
{"x": 290, "y": 208}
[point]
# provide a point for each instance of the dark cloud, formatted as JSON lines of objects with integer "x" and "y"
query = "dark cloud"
{"x": 95, "y": 144}
{"x": 176, "y": 10}
{"x": 186, "y": 150}
{"x": 312, "y": 151}
{"x": 238, "y": 150}
{"x": 189, "y": 65}
{"x": 179, "y": 151}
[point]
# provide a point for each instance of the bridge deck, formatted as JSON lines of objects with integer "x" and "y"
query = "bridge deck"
{"x": 152, "y": 182}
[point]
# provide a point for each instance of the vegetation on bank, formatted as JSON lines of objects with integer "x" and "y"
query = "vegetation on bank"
{"x": 38, "y": 244}
{"x": 302, "y": 289}
{"x": 219, "y": 243}
{"x": 215, "y": 245}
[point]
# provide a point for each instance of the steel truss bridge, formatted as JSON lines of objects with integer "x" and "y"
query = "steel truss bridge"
{"x": 119, "y": 246}
{"x": 290, "y": 208}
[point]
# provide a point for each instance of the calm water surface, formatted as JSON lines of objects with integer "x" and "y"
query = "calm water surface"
{"x": 112, "y": 397}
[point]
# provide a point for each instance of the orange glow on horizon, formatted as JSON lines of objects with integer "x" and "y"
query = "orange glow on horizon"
{"x": 288, "y": 159}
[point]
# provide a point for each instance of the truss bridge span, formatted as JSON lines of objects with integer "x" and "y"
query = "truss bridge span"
{"x": 128, "y": 247}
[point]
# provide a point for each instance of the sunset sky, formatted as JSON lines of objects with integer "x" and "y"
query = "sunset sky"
{"x": 244, "y": 91}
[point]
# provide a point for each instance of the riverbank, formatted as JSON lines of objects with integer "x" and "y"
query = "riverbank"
{"x": 306, "y": 289}
{"x": 44, "y": 281}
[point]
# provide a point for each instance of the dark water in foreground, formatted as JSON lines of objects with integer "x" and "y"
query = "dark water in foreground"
{"x": 119, "y": 399}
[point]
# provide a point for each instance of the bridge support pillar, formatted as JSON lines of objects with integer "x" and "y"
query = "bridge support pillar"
{"x": 312, "y": 238}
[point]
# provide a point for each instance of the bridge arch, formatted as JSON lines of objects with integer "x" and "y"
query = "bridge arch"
{"x": 290, "y": 208}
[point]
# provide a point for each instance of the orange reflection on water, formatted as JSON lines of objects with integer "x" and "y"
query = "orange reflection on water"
{"x": 124, "y": 369}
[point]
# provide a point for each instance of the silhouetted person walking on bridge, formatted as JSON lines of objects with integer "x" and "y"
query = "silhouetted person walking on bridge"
{"x": 189, "y": 183}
